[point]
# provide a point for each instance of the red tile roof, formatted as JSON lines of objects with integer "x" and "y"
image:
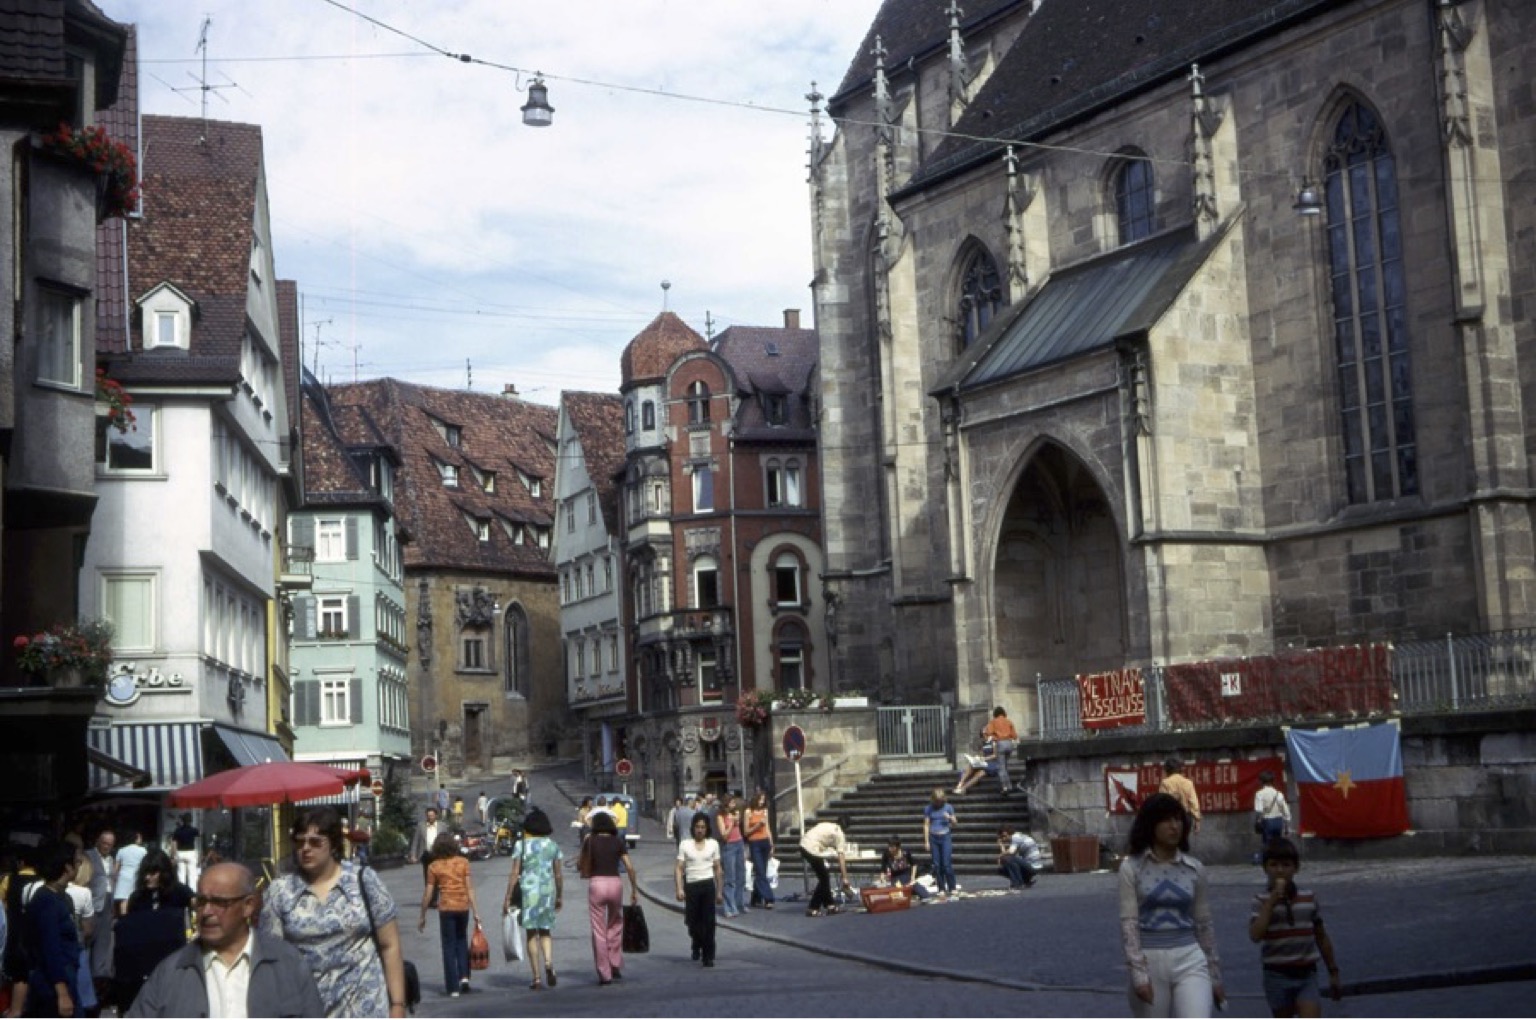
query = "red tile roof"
{"x": 598, "y": 419}
{"x": 288, "y": 344}
{"x": 497, "y": 434}
{"x": 121, "y": 122}
{"x": 330, "y": 476}
{"x": 651, "y": 353}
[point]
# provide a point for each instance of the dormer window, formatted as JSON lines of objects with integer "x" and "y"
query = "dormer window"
{"x": 451, "y": 434}
{"x": 488, "y": 482}
{"x": 449, "y": 473}
{"x": 167, "y": 319}
{"x": 774, "y": 408}
{"x": 482, "y": 529}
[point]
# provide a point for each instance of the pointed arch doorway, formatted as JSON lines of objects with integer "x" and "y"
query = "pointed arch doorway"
{"x": 1059, "y": 577}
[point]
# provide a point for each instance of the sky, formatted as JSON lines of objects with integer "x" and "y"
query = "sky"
{"x": 427, "y": 227}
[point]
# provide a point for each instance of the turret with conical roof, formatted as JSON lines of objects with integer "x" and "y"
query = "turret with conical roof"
{"x": 653, "y": 350}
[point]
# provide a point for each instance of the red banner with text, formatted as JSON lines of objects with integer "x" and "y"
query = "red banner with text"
{"x": 1353, "y": 680}
{"x": 1117, "y": 698}
{"x": 1221, "y": 785}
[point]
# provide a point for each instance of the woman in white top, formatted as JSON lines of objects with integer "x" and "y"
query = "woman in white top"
{"x": 700, "y": 886}
{"x": 1271, "y": 814}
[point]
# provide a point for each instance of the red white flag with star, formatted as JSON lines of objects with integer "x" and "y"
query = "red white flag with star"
{"x": 1349, "y": 780}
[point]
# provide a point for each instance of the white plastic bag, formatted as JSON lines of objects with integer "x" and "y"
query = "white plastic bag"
{"x": 773, "y": 872}
{"x": 512, "y": 935}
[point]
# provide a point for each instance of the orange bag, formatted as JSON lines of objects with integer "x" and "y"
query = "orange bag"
{"x": 479, "y": 950}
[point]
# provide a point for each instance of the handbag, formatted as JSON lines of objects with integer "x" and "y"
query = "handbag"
{"x": 512, "y": 935}
{"x": 479, "y": 950}
{"x": 637, "y": 934}
{"x": 412, "y": 979}
{"x": 584, "y": 859}
{"x": 1258, "y": 825}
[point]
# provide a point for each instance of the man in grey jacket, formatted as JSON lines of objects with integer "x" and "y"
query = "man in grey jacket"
{"x": 231, "y": 970}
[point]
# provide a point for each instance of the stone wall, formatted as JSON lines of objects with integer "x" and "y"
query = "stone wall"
{"x": 1471, "y": 783}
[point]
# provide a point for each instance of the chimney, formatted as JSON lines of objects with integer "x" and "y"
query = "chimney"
{"x": 791, "y": 318}
{"x": 509, "y": 390}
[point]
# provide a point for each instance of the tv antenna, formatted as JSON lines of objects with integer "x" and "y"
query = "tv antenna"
{"x": 203, "y": 86}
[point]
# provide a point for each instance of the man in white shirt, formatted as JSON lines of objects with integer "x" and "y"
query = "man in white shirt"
{"x": 231, "y": 970}
{"x": 422, "y": 840}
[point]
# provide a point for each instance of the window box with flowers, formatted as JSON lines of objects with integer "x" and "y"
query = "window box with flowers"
{"x": 117, "y": 178}
{"x": 67, "y": 654}
{"x": 843, "y": 699}
{"x": 331, "y": 635}
{"x": 795, "y": 699}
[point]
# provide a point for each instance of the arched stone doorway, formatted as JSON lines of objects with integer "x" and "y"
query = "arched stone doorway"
{"x": 1059, "y": 577}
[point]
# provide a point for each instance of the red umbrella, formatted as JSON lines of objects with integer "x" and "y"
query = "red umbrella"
{"x": 273, "y": 782}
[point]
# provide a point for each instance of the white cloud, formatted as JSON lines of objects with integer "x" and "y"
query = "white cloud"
{"x": 428, "y": 225}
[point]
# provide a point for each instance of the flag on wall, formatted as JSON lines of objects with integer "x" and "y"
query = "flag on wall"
{"x": 1349, "y": 780}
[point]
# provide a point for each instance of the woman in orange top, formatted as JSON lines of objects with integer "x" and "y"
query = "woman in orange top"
{"x": 448, "y": 877}
{"x": 1004, "y": 739}
{"x": 760, "y": 848}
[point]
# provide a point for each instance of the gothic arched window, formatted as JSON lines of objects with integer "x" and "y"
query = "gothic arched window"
{"x": 518, "y": 668}
{"x": 1133, "y": 199}
{"x": 1370, "y": 321}
{"x": 981, "y": 294}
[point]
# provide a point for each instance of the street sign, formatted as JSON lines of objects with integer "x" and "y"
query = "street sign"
{"x": 794, "y": 743}
{"x": 378, "y": 787}
{"x": 624, "y": 768}
{"x": 428, "y": 763}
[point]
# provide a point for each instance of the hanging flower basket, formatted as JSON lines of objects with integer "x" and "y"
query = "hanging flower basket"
{"x": 112, "y": 161}
{"x": 111, "y": 393}
{"x": 752, "y": 709}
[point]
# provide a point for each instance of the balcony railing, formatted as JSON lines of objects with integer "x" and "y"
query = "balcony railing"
{"x": 298, "y": 566}
{"x": 1470, "y": 673}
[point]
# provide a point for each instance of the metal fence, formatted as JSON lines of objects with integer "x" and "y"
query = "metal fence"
{"x": 912, "y": 731}
{"x": 1474, "y": 672}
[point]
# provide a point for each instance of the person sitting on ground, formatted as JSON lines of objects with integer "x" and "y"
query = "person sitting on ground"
{"x": 230, "y": 969}
{"x": 1018, "y": 857}
{"x": 897, "y": 867}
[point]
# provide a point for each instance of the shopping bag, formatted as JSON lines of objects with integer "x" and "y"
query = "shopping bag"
{"x": 637, "y": 934}
{"x": 773, "y": 872}
{"x": 512, "y": 935}
{"x": 479, "y": 950}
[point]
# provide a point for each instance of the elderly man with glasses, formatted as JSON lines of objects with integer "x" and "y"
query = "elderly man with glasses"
{"x": 232, "y": 969}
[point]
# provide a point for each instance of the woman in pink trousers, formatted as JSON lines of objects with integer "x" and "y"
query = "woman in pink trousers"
{"x": 605, "y": 896}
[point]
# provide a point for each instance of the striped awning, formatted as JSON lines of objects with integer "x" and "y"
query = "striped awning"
{"x": 346, "y": 797}
{"x": 171, "y": 752}
{"x": 248, "y": 747}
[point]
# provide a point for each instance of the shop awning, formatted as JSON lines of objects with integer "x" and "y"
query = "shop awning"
{"x": 248, "y": 747}
{"x": 114, "y": 772}
{"x": 348, "y": 796}
{"x": 170, "y": 752}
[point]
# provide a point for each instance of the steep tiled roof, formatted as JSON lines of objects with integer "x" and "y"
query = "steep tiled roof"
{"x": 912, "y": 28}
{"x": 288, "y": 344}
{"x": 330, "y": 476}
{"x": 496, "y": 434}
{"x": 1075, "y": 56}
{"x": 771, "y": 360}
{"x": 33, "y": 34}
{"x": 598, "y": 419}
{"x": 654, "y": 348}
{"x": 196, "y": 233}
{"x": 121, "y": 122}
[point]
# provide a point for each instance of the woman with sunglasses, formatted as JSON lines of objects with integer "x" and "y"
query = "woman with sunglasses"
{"x": 319, "y": 910}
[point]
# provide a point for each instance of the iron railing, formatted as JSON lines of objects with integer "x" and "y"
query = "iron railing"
{"x": 911, "y": 731}
{"x": 1473, "y": 672}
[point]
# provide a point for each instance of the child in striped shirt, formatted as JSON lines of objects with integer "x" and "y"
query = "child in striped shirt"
{"x": 1288, "y": 925}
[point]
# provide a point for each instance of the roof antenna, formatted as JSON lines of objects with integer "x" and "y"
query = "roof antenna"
{"x": 469, "y": 375}
{"x": 666, "y": 285}
{"x": 202, "y": 80}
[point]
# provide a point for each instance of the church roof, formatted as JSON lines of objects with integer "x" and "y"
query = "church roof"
{"x": 1085, "y": 308}
{"x": 653, "y": 350}
{"x": 910, "y": 29}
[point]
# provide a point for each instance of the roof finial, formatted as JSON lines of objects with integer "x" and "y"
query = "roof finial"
{"x": 666, "y": 285}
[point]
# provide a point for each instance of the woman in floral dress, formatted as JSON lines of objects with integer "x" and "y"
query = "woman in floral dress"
{"x": 536, "y": 874}
{"x": 319, "y": 910}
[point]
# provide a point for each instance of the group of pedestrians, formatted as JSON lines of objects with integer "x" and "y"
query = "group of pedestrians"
{"x": 1167, "y": 928}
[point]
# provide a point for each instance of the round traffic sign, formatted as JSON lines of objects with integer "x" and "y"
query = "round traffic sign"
{"x": 378, "y": 787}
{"x": 624, "y": 768}
{"x": 428, "y": 763}
{"x": 794, "y": 743}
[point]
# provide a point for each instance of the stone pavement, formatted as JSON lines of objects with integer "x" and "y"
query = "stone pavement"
{"x": 1389, "y": 921}
{"x": 1410, "y": 935}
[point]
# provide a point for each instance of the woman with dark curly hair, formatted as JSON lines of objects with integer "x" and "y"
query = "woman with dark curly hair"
{"x": 157, "y": 887}
{"x": 1165, "y": 917}
{"x": 153, "y": 927}
{"x": 352, "y": 946}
